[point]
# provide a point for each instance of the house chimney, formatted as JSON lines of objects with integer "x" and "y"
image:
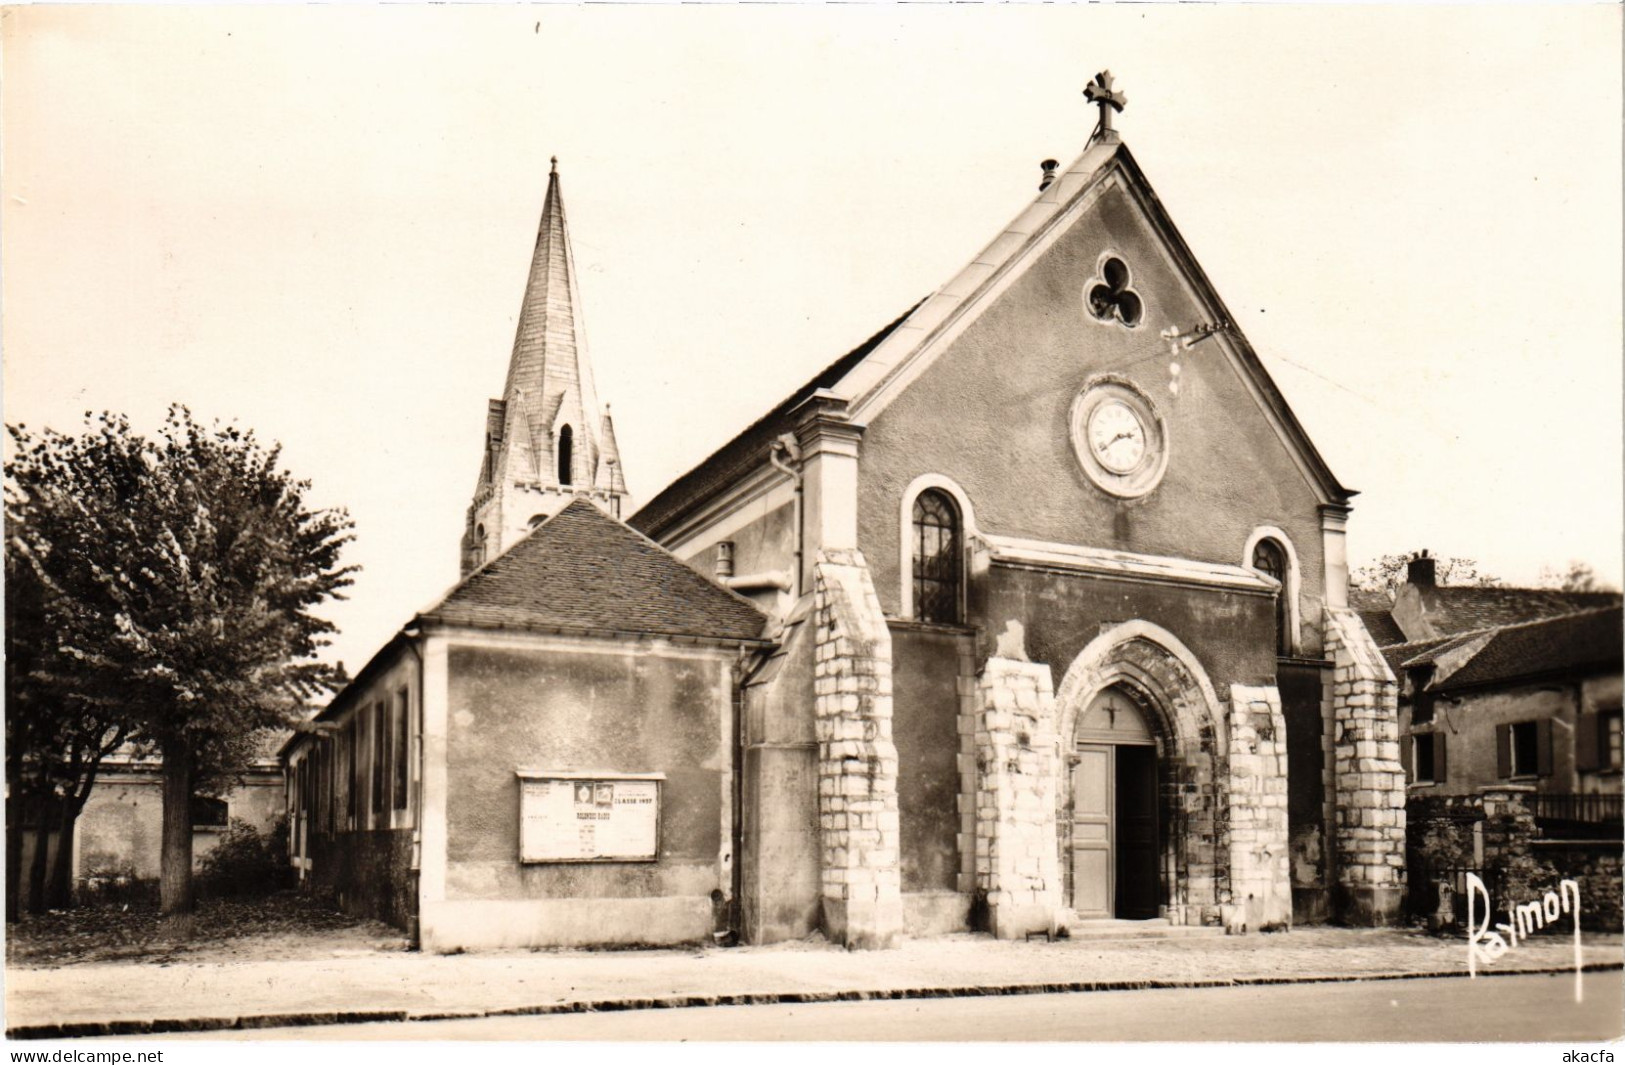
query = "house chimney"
{"x": 1048, "y": 166}
{"x": 1420, "y": 570}
{"x": 725, "y": 559}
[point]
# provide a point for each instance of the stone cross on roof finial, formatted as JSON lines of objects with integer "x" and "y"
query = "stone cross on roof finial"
{"x": 1100, "y": 93}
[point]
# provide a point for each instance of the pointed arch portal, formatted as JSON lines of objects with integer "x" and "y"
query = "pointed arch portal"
{"x": 1139, "y": 825}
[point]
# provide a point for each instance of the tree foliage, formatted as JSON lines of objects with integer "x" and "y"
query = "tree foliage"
{"x": 178, "y": 579}
{"x": 1387, "y": 573}
{"x": 1577, "y": 576}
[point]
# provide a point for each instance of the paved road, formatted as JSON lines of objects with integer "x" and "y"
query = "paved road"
{"x": 1519, "y": 1008}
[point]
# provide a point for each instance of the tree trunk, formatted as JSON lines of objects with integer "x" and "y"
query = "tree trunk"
{"x": 59, "y": 891}
{"x": 14, "y": 854}
{"x": 42, "y": 844}
{"x": 175, "y": 899}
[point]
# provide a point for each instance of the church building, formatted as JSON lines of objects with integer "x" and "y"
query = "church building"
{"x": 1030, "y": 612}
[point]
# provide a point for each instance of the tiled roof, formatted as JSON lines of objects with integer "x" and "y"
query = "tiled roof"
{"x": 1451, "y": 609}
{"x": 1574, "y": 642}
{"x": 583, "y": 570}
{"x": 1376, "y": 611}
{"x": 1418, "y": 652}
{"x": 1382, "y": 627}
{"x": 749, "y": 449}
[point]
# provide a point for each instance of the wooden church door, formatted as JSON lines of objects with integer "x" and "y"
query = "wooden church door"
{"x": 1115, "y": 839}
{"x": 1092, "y": 831}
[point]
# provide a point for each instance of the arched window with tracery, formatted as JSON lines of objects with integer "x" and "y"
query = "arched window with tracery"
{"x": 1270, "y": 560}
{"x": 566, "y": 442}
{"x": 939, "y": 572}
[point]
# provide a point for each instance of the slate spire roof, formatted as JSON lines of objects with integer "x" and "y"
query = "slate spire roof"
{"x": 549, "y": 374}
{"x": 583, "y": 571}
{"x": 546, "y": 440}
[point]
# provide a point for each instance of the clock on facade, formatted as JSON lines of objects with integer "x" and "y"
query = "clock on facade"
{"x": 1119, "y": 437}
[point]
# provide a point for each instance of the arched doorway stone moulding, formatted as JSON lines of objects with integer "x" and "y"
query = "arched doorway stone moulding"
{"x": 1190, "y": 724}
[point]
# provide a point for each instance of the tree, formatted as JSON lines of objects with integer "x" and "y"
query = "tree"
{"x": 1576, "y": 577}
{"x": 59, "y": 728}
{"x": 184, "y": 571}
{"x": 1388, "y": 573}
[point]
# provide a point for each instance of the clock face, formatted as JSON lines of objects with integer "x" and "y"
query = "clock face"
{"x": 1116, "y": 436}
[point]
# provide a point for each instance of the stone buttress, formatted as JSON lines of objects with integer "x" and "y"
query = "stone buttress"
{"x": 1369, "y": 779}
{"x": 1017, "y": 865}
{"x": 859, "y": 833}
{"x": 1260, "y": 872}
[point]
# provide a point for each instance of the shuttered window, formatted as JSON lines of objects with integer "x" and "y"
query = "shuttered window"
{"x": 1524, "y": 749}
{"x": 1428, "y": 758}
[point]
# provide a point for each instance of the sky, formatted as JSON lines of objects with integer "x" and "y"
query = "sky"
{"x": 316, "y": 222}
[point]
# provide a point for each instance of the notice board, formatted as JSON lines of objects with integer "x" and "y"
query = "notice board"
{"x": 579, "y": 818}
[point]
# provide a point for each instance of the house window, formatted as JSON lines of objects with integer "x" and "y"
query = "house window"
{"x": 209, "y": 812}
{"x": 1611, "y": 740}
{"x": 566, "y": 446}
{"x": 398, "y": 755}
{"x": 1524, "y": 749}
{"x": 1270, "y": 560}
{"x": 938, "y": 565}
{"x": 1427, "y": 758}
{"x": 352, "y": 767}
{"x": 379, "y": 749}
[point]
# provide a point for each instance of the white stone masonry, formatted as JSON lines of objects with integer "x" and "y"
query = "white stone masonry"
{"x": 1369, "y": 779}
{"x": 1260, "y": 872}
{"x": 857, "y": 760}
{"x": 1017, "y": 751}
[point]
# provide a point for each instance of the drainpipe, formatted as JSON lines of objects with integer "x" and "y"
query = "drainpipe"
{"x": 792, "y": 450}
{"x": 736, "y": 906}
{"x": 414, "y": 932}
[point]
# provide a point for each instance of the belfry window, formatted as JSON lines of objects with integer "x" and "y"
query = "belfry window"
{"x": 1270, "y": 560}
{"x": 938, "y": 562}
{"x": 565, "y": 448}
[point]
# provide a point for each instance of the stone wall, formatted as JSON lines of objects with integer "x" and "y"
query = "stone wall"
{"x": 857, "y": 760}
{"x": 1017, "y": 867}
{"x": 1495, "y": 832}
{"x": 1260, "y": 874}
{"x": 1369, "y": 779}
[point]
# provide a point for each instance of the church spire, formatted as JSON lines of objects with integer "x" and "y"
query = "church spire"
{"x": 544, "y": 438}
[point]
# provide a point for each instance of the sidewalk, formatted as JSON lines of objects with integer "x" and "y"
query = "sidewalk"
{"x": 125, "y": 998}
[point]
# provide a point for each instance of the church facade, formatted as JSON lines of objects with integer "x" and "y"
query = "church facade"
{"x": 1028, "y": 613}
{"x": 1061, "y": 610}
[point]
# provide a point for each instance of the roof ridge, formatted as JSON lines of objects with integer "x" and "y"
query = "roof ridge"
{"x": 1553, "y": 618}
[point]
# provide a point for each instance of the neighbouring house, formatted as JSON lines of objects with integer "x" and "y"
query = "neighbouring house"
{"x": 542, "y": 758}
{"x": 1504, "y": 684}
{"x": 117, "y": 838}
{"x": 1510, "y": 714}
{"x": 1028, "y": 612}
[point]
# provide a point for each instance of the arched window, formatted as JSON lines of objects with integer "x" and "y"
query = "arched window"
{"x": 938, "y": 562}
{"x": 1270, "y": 560}
{"x": 566, "y": 438}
